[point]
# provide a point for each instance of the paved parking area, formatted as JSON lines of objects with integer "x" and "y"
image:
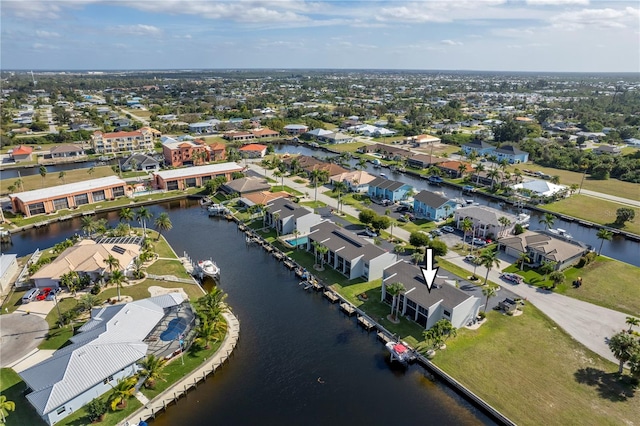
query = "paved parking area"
{"x": 20, "y": 334}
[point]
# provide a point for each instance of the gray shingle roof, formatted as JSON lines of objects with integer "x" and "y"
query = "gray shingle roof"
{"x": 387, "y": 184}
{"x": 430, "y": 199}
{"x": 345, "y": 243}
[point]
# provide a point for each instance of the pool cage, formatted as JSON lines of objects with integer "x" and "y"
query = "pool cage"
{"x": 174, "y": 334}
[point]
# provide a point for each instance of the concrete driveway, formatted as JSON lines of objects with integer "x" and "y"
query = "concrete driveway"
{"x": 20, "y": 334}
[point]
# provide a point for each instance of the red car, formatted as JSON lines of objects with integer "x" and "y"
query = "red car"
{"x": 44, "y": 293}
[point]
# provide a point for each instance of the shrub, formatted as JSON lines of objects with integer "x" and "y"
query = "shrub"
{"x": 518, "y": 229}
{"x": 95, "y": 289}
{"x": 96, "y": 408}
{"x": 439, "y": 247}
{"x": 418, "y": 239}
{"x": 482, "y": 315}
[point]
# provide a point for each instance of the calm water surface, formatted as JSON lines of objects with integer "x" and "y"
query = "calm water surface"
{"x": 288, "y": 339}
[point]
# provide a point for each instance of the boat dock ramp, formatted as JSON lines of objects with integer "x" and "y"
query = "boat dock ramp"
{"x": 365, "y": 323}
{"x": 333, "y": 298}
{"x": 348, "y": 308}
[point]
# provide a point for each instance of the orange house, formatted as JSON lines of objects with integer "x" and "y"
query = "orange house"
{"x": 191, "y": 177}
{"x": 185, "y": 153}
{"x": 218, "y": 151}
{"x": 67, "y": 197}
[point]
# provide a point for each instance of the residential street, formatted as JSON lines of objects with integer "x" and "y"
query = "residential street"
{"x": 634, "y": 203}
{"x": 589, "y": 324}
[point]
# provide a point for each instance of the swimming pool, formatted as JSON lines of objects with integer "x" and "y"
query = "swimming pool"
{"x": 175, "y": 328}
{"x": 300, "y": 241}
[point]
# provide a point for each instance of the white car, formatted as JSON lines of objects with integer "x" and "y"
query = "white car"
{"x": 448, "y": 228}
{"x": 370, "y": 232}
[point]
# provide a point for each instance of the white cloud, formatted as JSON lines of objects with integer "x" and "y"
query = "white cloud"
{"x": 451, "y": 42}
{"x": 139, "y": 30}
{"x": 603, "y": 18}
{"x": 47, "y": 34}
{"x": 557, "y": 2}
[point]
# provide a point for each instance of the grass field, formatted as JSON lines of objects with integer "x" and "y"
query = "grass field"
{"x": 536, "y": 374}
{"x": 12, "y": 386}
{"x": 168, "y": 267}
{"x": 614, "y": 187}
{"x": 141, "y": 290}
{"x": 51, "y": 179}
{"x": 594, "y": 210}
{"x": 347, "y": 147}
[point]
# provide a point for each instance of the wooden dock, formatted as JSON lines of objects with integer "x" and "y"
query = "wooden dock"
{"x": 365, "y": 323}
{"x": 348, "y": 308}
{"x": 316, "y": 285}
{"x": 333, "y": 298}
{"x": 381, "y": 336}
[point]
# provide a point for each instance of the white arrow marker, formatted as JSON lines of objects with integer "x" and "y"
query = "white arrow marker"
{"x": 429, "y": 274}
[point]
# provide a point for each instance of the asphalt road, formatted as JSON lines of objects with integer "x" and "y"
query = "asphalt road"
{"x": 20, "y": 333}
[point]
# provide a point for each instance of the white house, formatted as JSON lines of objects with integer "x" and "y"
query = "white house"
{"x": 486, "y": 220}
{"x": 8, "y": 270}
{"x": 287, "y": 217}
{"x": 541, "y": 188}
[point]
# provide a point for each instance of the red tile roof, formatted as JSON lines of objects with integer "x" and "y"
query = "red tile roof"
{"x": 22, "y": 150}
{"x": 253, "y": 147}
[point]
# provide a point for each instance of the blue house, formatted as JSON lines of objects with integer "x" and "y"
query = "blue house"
{"x": 479, "y": 147}
{"x": 385, "y": 189}
{"x": 512, "y": 154}
{"x": 429, "y": 205}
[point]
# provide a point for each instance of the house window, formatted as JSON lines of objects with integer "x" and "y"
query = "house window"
{"x": 190, "y": 182}
{"x": 81, "y": 199}
{"x": 118, "y": 191}
{"x": 98, "y": 196}
{"x": 61, "y": 203}
{"x": 36, "y": 208}
{"x": 107, "y": 380}
{"x": 447, "y": 314}
{"x": 60, "y": 410}
{"x": 172, "y": 185}
{"x": 205, "y": 179}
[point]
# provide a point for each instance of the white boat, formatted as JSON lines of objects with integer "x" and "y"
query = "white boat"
{"x": 217, "y": 210}
{"x": 399, "y": 352}
{"x": 561, "y": 233}
{"x": 208, "y": 267}
{"x": 523, "y": 220}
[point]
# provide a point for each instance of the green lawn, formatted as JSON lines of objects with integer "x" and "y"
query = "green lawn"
{"x": 168, "y": 267}
{"x": 112, "y": 418}
{"x": 141, "y": 290}
{"x": 161, "y": 247}
{"x": 603, "y": 283}
{"x": 286, "y": 188}
{"x": 614, "y": 187}
{"x": 58, "y": 336}
{"x": 346, "y": 147}
{"x": 536, "y": 374}
{"x": 12, "y": 386}
{"x": 594, "y": 210}
{"x": 51, "y": 179}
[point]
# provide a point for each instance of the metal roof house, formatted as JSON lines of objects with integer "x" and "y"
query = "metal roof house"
{"x": 386, "y": 189}
{"x": 444, "y": 301}
{"x": 105, "y": 350}
{"x": 348, "y": 253}
{"x": 486, "y": 220}
{"x": 433, "y": 206}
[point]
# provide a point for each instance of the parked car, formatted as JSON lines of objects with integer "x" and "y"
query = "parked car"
{"x": 30, "y": 295}
{"x": 44, "y": 293}
{"x": 448, "y": 228}
{"x": 478, "y": 242}
{"x": 53, "y": 293}
{"x": 370, "y": 232}
{"x": 470, "y": 258}
{"x": 514, "y": 278}
{"x": 403, "y": 208}
{"x": 469, "y": 188}
{"x": 403, "y": 219}
{"x": 436, "y": 232}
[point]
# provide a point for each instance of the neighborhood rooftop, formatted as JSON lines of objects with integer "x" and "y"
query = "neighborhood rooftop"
{"x": 199, "y": 170}
{"x": 69, "y": 188}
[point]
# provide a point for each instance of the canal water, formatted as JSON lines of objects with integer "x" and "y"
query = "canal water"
{"x": 618, "y": 248}
{"x": 290, "y": 341}
{"x": 15, "y": 172}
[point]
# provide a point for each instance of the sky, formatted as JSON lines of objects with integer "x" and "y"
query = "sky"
{"x": 491, "y": 35}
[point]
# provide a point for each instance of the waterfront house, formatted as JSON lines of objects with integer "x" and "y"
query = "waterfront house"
{"x": 422, "y": 140}
{"x": 69, "y": 196}
{"x": 67, "y": 151}
{"x": 478, "y": 146}
{"x": 191, "y": 177}
{"x": 218, "y": 151}
{"x": 264, "y": 132}
{"x": 253, "y": 150}
{"x": 238, "y": 136}
{"x": 425, "y": 307}
{"x": 538, "y": 187}
{"x": 318, "y": 133}
{"x": 286, "y": 217}
{"x": 387, "y": 152}
{"x": 486, "y": 221}
{"x": 422, "y": 161}
{"x": 88, "y": 257}
{"x": 349, "y": 254}
{"x": 21, "y": 153}
{"x": 204, "y": 127}
{"x": 140, "y": 162}
{"x": 246, "y": 185}
{"x": 8, "y": 270}
{"x": 542, "y": 246}
{"x": 432, "y": 206}
{"x": 387, "y": 189}
{"x": 185, "y": 153}
{"x": 356, "y": 181}
{"x": 512, "y": 154}
{"x": 309, "y": 164}
{"x": 336, "y": 138}
{"x": 295, "y": 129}
{"x": 106, "y": 349}
{"x": 452, "y": 168}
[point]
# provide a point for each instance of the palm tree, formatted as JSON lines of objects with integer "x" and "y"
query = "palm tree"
{"x": 504, "y": 221}
{"x": 11, "y": 189}
{"x": 547, "y": 220}
{"x": 275, "y": 220}
{"x": 88, "y": 301}
{"x": 112, "y": 263}
{"x": 632, "y": 322}
{"x": 489, "y": 259}
{"x": 493, "y": 174}
{"x": 557, "y": 277}
{"x": 91, "y": 171}
{"x": 207, "y": 332}
{"x": 152, "y": 369}
{"x": 395, "y": 289}
{"x": 61, "y": 176}
{"x": 547, "y": 267}
{"x": 488, "y": 291}
{"x": 43, "y": 174}
{"x": 89, "y": 225}
{"x": 624, "y": 346}
{"x": 603, "y": 234}
{"x": 518, "y": 174}
{"x": 573, "y": 188}
{"x": 417, "y": 257}
{"x": 19, "y": 183}
{"x": 163, "y": 223}
{"x": 339, "y": 187}
{"x": 141, "y": 215}
{"x": 462, "y": 169}
{"x": 212, "y": 304}
{"x": 278, "y": 173}
{"x": 398, "y": 249}
{"x": 315, "y": 175}
{"x": 5, "y": 407}
{"x": 523, "y": 258}
{"x": 322, "y": 250}
{"x": 555, "y": 179}
{"x": 479, "y": 168}
{"x": 466, "y": 225}
{"x": 126, "y": 215}
{"x": 117, "y": 277}
{"x": 122, "y": 391}
{"x": 121, "y": 230}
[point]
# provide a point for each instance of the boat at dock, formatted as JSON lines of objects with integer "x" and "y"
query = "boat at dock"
{"x": 561, "y": 233}
{"x": 209, "y": 268}
{"x": 218, "y": 210}
{"x": 523, "y": 219}
{"x": 399, "y": 352}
